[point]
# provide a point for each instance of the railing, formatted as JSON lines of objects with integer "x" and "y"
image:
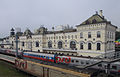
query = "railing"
{"x": 62, "y": 49}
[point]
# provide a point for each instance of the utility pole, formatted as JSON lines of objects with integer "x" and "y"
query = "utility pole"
{"x": 16, "y": 45}
{"x": 31, "y": 45}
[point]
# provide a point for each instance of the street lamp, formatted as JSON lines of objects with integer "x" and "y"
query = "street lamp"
{"x": 16, "y": 36}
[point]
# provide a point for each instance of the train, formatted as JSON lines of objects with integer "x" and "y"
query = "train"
{"x": 10, "y": 52}
{"x": 61, "y": 59}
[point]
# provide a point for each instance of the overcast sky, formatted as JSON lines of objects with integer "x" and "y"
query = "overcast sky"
{"x": 33, "y": 13}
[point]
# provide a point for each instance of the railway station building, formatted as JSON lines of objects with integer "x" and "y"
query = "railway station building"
{"x": 93, "y": 37}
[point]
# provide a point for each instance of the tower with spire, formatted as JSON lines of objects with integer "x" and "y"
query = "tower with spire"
{"x": 12, "y": 32}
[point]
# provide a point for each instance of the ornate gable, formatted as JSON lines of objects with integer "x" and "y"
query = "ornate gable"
{"x": 94, "y": 19}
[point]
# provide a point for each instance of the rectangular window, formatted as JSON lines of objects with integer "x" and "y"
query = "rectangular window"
{"x": 108, "y": 35}
{"x": 81, "y": 35}
{"x": 81, "y": 45}
{"x": 89, "y": 46}
{"x": 98, "y": 46}
{"x": 37, "y": 44}
{"x": 23, "y": 44}
{"x": 112, "y": 35}
{"x": 72, "y": 36}
{"x": 114, "y": 67}
{"x": 68, "y": 37}
{"x": 65, "y": 37}
{"x": 56, "y": 37}
{"x": 76, "y": 36}
{"x": 89, "y": 34}
{"x": 62, "y": 37}
{"x": 98, "y": 34}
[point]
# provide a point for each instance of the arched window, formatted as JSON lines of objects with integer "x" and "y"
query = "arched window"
{"x": 98, "y": 34}
{"x": 37, "y": 44}
{"x": 98, "y": 46}
{"x": 81, "y": 45}
{"x": 89, "y": 46}
{"x": 59, "y": 44}
{"x": 72, "y": 45}
{"x": 49, "y": 44}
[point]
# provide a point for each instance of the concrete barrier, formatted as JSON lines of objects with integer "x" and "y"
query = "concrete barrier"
{"x": 42, "y": 70}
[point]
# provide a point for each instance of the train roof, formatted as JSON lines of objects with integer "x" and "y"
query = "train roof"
{"x": 39, "y": 53}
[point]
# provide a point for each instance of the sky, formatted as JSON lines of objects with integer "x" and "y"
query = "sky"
{"x": 34, "y": 13}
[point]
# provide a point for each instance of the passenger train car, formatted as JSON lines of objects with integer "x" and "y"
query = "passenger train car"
{"x": 10, "y": 52}
{"x": 72, "y": 61}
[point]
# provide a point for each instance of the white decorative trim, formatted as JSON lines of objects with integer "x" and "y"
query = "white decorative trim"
{"x": 79, "y": 51}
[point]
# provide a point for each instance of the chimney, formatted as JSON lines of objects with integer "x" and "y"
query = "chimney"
{"x": 53, "y": 28}
{"x": 96, "y": 12}
{"x": 101, "y": 13}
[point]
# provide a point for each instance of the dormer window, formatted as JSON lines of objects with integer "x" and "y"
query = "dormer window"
{"x": 94, "y": 21}
{"x": 87, "y": 22}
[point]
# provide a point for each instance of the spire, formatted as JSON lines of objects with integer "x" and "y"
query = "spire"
{"x": 12, "y": 29}
{"x": 12, "y": 33}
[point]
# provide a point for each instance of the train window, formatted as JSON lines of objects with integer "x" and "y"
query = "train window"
{"x": 48, "y": 57}
{"x": 99, "y": 65}
{"x": 52, "y": 58}
{"x": 82, "y": 62}
{"x": 72, "y": 61}
{"x": 114, "y": 67}
{"x": 77, "y": 61}
{"x": 87, "y": 62}
{"x": 37, "y": 55}
{"x": 42, "y": 56}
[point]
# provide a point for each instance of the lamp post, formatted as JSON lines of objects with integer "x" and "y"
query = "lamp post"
{"x": 16, "y": 36}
